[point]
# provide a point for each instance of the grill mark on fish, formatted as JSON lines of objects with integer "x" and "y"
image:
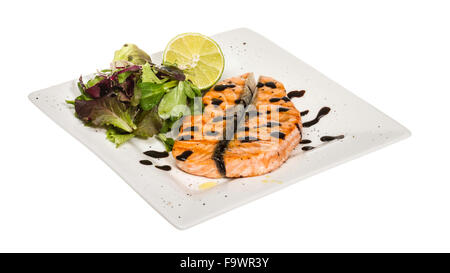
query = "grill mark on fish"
{"x": 221, "y": 87}
{"x": 274, "y": 99}
{"x": 282, "y": 109}
{"x": 183, "y": 156}
{"x": 260, "y": 84}
{"x": 217, "y": 102}
{"x": 323, "y": 112}
{"x": 271, "y": 85}
{"x": 271, "y": 124}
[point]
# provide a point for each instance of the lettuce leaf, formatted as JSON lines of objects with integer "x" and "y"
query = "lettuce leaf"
{"x": 173, "y": 102}
{"x": 106, "y": 111}
{"x": 133, "y": 54}
{"x": 151, "y": 93}
{"x": 116, "y": 137}
{"x": 167, "y": 141}
{"x": 148, "y": 75}
{"x": 148, "y": 123}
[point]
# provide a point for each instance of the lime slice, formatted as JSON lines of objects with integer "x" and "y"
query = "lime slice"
{"x": 198, "y": 55}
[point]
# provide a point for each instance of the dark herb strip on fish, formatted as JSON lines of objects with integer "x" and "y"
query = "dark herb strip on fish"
{"x": 323, "y": 112}
{"x": 270, "y": 84}
{"x": 183, "y": 156}
{"x": 304, "y": 113}
{"x": 145, "y": 162}
{"x": 221, "y": 87}
{"x": 215, "y": 101}
{"x": 307, "y": 148}
{"x": 156, "y": 154}
{"x": 218, "y": 154}
{"x": 278, "y": 135}
{"x": 305, "y": 141}
{"x": 164, "y": 167}
{"x": 296, "y": 94}
{"x": 331, "y": 138}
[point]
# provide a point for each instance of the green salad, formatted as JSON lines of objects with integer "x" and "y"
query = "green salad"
{"x": 135, "y": 98}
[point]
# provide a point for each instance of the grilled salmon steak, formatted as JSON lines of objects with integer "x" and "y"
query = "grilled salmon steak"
{"x": 246, "y": 129}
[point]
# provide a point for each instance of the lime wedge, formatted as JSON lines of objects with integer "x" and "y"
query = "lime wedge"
{"x": 198, "y": 55}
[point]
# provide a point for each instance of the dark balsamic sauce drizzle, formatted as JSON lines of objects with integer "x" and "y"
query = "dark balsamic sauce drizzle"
{"x": 183, "y": 156}
{"x": 324, "y": 111}
{"x": 164, "y": 167}
{"x": 305, "y": 141}
{"x": 296, "y": 94}
{"x": 307, "y": 148}
{"x": 304, "y": 113}
{"x": 331, "y": 138}
{"x": 146, "y": 162}
{"x": 156, "y": 154}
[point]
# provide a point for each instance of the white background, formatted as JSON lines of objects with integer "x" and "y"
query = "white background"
{"x": 55, "y": 195}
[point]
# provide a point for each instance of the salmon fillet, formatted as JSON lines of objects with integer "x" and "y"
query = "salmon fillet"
{"x": 245, "y": 130}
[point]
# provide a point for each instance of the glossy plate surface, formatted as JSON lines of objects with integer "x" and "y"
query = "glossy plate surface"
{"x": 365, "y": 129}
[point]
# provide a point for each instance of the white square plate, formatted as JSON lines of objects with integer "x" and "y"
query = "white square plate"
{"x": 365, "y": 128}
